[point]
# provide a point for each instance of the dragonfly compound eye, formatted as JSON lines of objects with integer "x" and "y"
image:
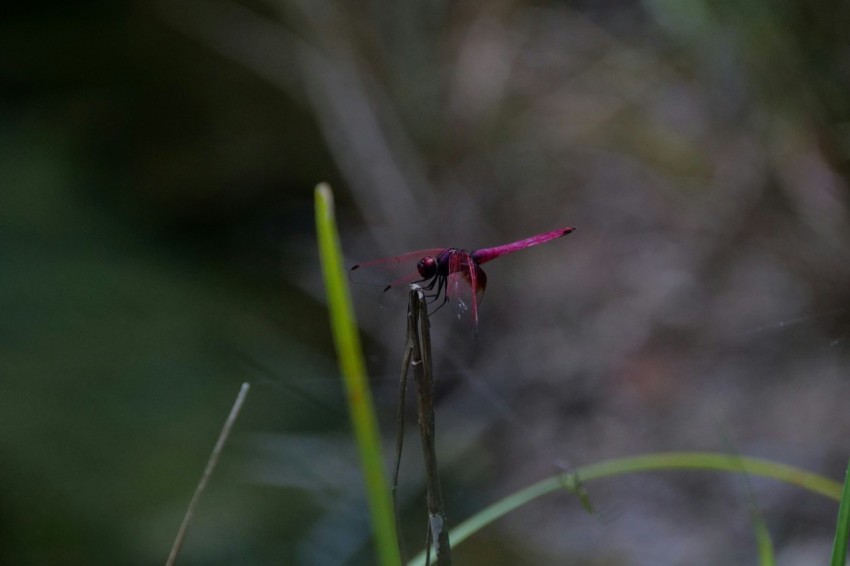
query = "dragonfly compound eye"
{"x": 427, "y": 267}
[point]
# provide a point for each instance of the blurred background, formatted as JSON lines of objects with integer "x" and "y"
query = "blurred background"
{"x": 158, "y": 249}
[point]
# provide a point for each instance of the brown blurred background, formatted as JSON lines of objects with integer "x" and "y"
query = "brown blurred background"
{"x": 157, "y": 249}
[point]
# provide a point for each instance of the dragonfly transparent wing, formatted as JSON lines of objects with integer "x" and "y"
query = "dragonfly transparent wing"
{"x": 465, "y": 285}
{"x": 391, "y": 276}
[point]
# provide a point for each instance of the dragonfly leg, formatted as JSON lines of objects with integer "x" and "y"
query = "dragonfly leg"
{"x": 441, "y": 283}
{"x": 430, "y": 287}
{"x": 441, "y": 290}
{"x": 445, "y": 300}
{"x": 420, "y": 282}
{"x": 433, "y": 282}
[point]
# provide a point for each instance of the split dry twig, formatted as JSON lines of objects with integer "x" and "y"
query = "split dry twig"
{"x": 417, "y": 354}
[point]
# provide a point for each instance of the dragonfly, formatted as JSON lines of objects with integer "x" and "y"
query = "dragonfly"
{"x": 451, "y": 274}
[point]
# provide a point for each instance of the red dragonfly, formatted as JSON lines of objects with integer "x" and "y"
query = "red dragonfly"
{"x": 451, "y": 273}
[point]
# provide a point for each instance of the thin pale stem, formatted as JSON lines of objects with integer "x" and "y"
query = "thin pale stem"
{"x": 208, "y": 470}
{"x": 399, "y": 439}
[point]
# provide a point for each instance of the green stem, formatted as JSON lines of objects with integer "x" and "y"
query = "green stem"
{"x": 653, "y": 462}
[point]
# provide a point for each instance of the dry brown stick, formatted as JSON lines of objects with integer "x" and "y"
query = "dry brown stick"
{"x": 421, "y": 362}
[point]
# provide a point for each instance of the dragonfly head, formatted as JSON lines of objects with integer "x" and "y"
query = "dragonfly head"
{"x": 427, "y": 267}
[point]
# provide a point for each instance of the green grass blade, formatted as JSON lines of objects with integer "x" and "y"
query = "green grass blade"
{"x": 842, "y": 529}
{"x": 648, "y": 463}
{"x": 764, "y": 541}
{"x": 353, "y": 368}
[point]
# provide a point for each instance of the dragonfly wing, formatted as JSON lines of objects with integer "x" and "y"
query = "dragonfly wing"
{"x": 391, "y": 271}
{"x": 465, "y": 285}
{"x": 392, "y": 275}
{"x": 410, "y": 258}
